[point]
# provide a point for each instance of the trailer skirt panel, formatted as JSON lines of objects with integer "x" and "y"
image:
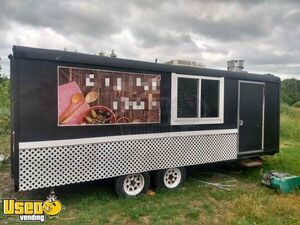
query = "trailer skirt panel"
{"x": 50, "y": 166}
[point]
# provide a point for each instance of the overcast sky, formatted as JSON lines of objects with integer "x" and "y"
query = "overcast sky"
{"x": 266, "y": 34}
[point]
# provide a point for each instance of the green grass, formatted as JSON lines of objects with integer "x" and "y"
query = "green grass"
{"x": 248, "y": 202}
{"x": 288, "y": 160}
{"x": 5, "y": 144}
{"x": 290, "y": 122}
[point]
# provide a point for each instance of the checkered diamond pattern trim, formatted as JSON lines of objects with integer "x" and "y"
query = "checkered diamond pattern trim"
{"x": 55, "y": 166}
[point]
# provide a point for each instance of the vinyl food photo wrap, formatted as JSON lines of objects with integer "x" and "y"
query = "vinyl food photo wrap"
{"x": 103, "y": 97}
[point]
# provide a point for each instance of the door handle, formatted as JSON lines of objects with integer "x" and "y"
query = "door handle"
{"x": 241, "y": 123}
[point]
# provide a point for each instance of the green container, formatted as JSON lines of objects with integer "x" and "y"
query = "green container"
{"x": 285, "y": 184}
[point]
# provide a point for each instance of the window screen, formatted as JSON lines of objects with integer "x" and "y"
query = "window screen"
{"x": 209, "y": 98}
{"x": 187, "y": 98}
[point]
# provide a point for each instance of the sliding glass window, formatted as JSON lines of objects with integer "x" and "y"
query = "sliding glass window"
{"x": 197, "y": 99}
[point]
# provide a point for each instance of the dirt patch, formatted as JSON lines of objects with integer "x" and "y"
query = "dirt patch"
{"x": 290, "y": 202}
{"x": 145, "y": 219}
{"x": 196, "y": 203}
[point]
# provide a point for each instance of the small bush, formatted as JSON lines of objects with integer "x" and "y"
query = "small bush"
{"x": 4, "y": 121}
{"x": 5, "y": 145}
{"x": 297, "y": 104}
{"x": 4, "y": 105}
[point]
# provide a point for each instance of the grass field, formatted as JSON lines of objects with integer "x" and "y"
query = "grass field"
{"x": 290, "y": 122}
{"x": 248, "y": 202}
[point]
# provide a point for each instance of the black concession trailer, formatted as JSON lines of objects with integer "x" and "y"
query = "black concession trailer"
{"x": 79, "y": 117}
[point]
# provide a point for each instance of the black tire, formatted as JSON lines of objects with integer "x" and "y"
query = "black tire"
{"x": 119, "y": 185}
{"x": 160, "y": 176}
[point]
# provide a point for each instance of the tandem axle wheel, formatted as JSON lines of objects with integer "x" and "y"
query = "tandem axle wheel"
{"x": 137, "y": 183}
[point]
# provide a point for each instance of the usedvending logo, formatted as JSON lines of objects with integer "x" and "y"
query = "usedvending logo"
{"x": 28, "y": 210}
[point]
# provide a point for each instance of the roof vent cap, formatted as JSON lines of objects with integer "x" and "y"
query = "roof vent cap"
{"x": 235, "y": 65}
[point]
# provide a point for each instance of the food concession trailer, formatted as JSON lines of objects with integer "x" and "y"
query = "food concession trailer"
{"x": 79, "y": 117}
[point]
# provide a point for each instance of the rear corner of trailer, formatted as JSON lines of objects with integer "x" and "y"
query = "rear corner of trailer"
{"x": 13, "y": 112}
{"x": 272, "y": 117}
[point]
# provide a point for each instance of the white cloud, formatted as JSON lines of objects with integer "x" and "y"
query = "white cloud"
{"x": 263, "y": 33}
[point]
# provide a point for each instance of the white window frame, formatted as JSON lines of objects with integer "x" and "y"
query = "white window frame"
{"x": 196, "y": 120}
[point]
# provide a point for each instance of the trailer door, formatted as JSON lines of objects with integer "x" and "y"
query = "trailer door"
{"x": 251, "y": 116}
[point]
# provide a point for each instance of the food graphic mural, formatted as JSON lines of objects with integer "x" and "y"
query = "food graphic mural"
{"x": 103, "y": 97}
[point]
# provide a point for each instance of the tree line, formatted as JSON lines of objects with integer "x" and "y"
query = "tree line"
{"x": 290, "y": 92}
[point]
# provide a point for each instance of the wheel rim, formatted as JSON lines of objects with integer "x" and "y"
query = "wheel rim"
{"x": 172, "y": 177}
{"x": 134, "y": 184}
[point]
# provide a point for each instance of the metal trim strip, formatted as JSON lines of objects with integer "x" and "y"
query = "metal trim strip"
{"x": 68, "y": 142}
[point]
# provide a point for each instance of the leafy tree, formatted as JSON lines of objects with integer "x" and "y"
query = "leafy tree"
{"x": 101, "y": 53}
{"x": 112, "y": 54}
{"x": 290, "y": 91}
{"x": 4, "y": 103}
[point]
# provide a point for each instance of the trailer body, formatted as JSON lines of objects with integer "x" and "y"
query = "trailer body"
{"x": 173, "y": 116}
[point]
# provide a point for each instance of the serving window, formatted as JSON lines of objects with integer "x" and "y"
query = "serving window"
{"x": 104, "y": 97}
{"x": 197, "y": 100}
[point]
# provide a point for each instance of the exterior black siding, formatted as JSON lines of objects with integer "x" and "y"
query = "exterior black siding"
{"x": 34, "y": 96}
{"x": 37, "y": 101}
{"x": 272, "y": 114}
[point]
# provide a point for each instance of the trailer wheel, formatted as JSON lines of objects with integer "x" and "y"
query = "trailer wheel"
{"x": 132, "y": 184}
{"x": 170, "y": 178}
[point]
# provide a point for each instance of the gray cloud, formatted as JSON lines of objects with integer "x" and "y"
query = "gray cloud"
{"x": 67, "y": 17}
{"x": 264, "y": 33}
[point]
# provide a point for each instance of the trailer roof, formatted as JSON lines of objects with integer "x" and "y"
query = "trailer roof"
{"x": 74, "y": 57}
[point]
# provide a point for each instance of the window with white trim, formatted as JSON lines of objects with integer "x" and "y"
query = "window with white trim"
{"x": 197, "y": 100}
